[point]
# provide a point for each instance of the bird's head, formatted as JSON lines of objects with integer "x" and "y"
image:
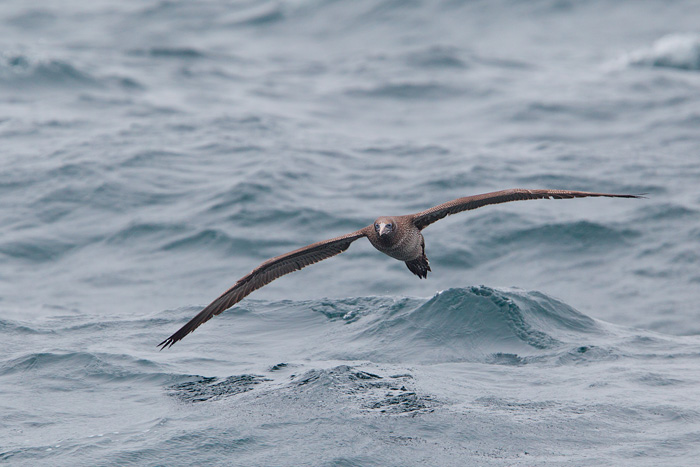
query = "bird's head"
{"x": 385, "y": 227}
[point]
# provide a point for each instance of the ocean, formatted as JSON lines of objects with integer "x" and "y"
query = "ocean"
{"x": 153, "y": 152}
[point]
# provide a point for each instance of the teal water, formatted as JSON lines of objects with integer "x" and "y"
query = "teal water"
{"x": 151, "y": 153}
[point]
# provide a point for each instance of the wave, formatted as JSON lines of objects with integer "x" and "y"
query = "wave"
{"x": 20, "y": 71}
{"x": 186, "y": 53}
{"x": 469, "y": 324}
{"x": 679, "y": 51}
{"x": 567, "y": 235}
{"x": 36, "y": 250}
{"x": 472, "y": 324}
{"x": 26, "y": 71}
{"x": 260, "y": 15}
{"x": 81, "y": 365}
{"x": 12, "y": 327}
{"x": 198, "y": 389}
{"x": 407, "y": 90}
{"x": 368, "y": 336}
{"x": 345, "y": 349}
{"x": 437, "y": 57}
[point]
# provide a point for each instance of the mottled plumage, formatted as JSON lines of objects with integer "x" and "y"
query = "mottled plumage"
{"x": 399, "y": 237}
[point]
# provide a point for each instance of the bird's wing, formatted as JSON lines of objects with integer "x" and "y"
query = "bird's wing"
{"x": 264, "y": 274}
{"x": 427, "y": 217}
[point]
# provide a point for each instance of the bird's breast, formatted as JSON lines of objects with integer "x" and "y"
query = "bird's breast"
{"x": 405, "y": 247}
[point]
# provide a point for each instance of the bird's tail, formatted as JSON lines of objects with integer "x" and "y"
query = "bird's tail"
{"x": 419, "y": 266}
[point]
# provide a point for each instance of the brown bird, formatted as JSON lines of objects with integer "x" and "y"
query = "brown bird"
{"x": 399, "y": 237}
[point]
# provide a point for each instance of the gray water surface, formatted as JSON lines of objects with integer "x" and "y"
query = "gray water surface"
{"x": 153, "y": 152}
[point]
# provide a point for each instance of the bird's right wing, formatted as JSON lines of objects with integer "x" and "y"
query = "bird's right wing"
{"x": 264, "y": 274}
{"x": 427, "y": 217}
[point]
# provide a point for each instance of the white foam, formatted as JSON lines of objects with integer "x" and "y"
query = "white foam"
{"x": 680, "y": 51}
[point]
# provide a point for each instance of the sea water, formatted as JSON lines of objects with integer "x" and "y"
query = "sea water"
{"x": 154, "y": 152}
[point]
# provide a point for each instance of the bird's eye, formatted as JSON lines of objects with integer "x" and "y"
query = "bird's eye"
{"x": 376, "y": 226}
{"x": 391, "y": 226}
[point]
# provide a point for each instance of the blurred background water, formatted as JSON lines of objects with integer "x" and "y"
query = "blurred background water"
{"x": 153, "y": 152}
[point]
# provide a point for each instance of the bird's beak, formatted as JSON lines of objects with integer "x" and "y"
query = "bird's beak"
{"x": 383, "y": 230}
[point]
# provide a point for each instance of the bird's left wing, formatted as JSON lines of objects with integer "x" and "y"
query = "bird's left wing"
{"x": 264, "y": 274}
{"x": 427, "y": 217}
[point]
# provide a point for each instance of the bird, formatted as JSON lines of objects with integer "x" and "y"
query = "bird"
{"x": 397, "y": 236}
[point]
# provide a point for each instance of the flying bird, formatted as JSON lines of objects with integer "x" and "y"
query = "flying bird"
{"x": 398, "y": 236}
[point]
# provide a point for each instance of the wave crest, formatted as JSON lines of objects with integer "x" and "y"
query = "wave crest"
{"x": 471, "y": 324}
{"x": 23, "y": 70}
{"x": 680, "y": 51}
